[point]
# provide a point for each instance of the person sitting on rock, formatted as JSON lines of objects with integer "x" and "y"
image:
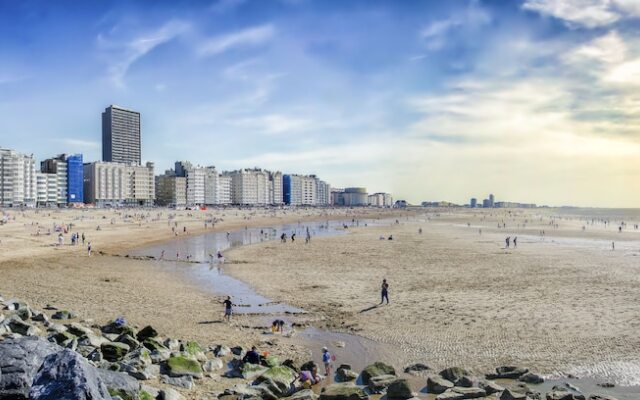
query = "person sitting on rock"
{"x": 252, "y": 356}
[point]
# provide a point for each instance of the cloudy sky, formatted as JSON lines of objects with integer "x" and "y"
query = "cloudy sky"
{"x": 533, "y": 100}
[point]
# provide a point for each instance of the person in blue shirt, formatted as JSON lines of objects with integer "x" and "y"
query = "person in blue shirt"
{"x": 326, "y": 360}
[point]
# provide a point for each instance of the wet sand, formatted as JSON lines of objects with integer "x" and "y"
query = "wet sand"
{"x": 562, "y": 303}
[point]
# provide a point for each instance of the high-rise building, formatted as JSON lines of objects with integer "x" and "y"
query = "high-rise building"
{"x": 121, "y": 135}
{"x": 195, "y": 182}
{"x": 249, "y": 186}
{"x": 305, "y": 190}
{"x": 275, "y": 188}
{"x": 17, "y": 179}
{"x": 473, "y": 203}
{"x": 492, "y": 200}
{"x": 46, "y": 189}
{"x": 380, "y": 200}
{"x": 217, "y": 188}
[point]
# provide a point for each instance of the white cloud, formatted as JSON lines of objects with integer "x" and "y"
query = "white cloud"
{"x": 248, "y": 37}
{"x": 123, "y": 54}
{"x": 626, "y": 74}
{"x": 609, "y": 49}
{"x": 79, "y": 144}
{"x": 275, "y": 124}
{"x": 585, "y": 13}
{"x": 471, "y": 17}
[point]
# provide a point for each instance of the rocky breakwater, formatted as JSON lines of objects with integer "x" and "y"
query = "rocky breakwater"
{"x": 47, "y": 354}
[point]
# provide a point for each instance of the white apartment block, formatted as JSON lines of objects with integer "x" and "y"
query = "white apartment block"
{"x": 117, "y": 184}
{"x": 58, "y": 167}
{"x": 171, "y": 190}
{"x": 250, "y": 187}
{"x": 380, "y": 200}
{"x": 17, "y": 179}
{"x": 323, "y": 192}
{"x": 306, "y": 190}
{"x": 47, "y": 192}
{"x": 217, "y": 188}
{"x": 275, "y": 188}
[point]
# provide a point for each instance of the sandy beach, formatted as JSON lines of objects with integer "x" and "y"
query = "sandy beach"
{"x": 559, "y": 303}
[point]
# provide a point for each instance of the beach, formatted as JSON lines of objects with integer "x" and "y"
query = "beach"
{"x": 562, "y": 302}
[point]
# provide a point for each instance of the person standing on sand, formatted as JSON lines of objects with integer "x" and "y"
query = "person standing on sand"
{"x": 89, "y": 249}
{"x": 384, "y": 294}
{"x": 228, "y": 308}
{"x": 515, "y": 242}
{"x": 507, "y": 241}
{"x": 326, "y": 360}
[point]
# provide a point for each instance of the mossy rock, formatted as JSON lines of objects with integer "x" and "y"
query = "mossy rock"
{"x": 63, "y": 314}
{"x": 125, "y": 395}
{"x": 376, "y": 369}
{"x": 145, "y": 396}
{"x": 183, "y": 366}
{"x": 192, "y": 347}
{"x": 62, "y": 338}
{"x": 343, "y": 391}
{"x": 251, "y": 371}
{"x": 146, "y": 333}
{"x": 453, "y": 373}
{"x": 272, "y": 361}
{"x": 114, "y": 351}
{"x": 128, "y": 340}
{"x": 112, "y": 327}
{"x": 153, "y": 344}
{"x": 279, "y": 374}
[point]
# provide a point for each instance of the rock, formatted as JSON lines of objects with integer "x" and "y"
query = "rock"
{"x": 252, "y": 371}
{"x": 154, "y": 345}
{"x": 437, "y": 384}
{"x": 17, "y": 325}
{"x": 378, "y": 384}
{"x": 91, "y": 339}
{"x": 183, "y": 381}
{"x": 192, "y": 348}
{"x": 305, "y": 394}
{"x": 56, "y": 328}
{"x": 24, "y": 313}
{"x": 114, "y": 351}
{"x": 146, "y": 333}
{"x": 344, "y": 373}
{"x": 417, "y": 367}
{"x": 271, "y": 361}
{"x": 237, "y": 351}
{"x": 40, "y": 317}
{"x": 170, "y": 394}
{"x": 508, "y": 372}
{"x": 118, "y": 329}
{"x": 399, "y": 390}
{"x": 214, "y": 364}
{"x": 118, "y": 381}
{"x": 68, "y": 376}
{"x": 63, "y": 314}
{"x": 221, "y": 351}
{"x": 467, "y": 381}
{"x": 181, "y": 366}
{"x": 246, "y": 392}
{"x": 159, "y": 356}
{"x": 508, "y": 394}
{"x": 154, "y": 392}
{"x": 79, "y": 330}
{"x": 376, "y": 369}
{"x": 601, "y": 397}
{"x": 606, "y": 385}
{"x": 20, "y": 360}
{"x": 128, "y": 340}
{"x": 563, "y": 395}
{"x": 279, "y": 379}
{"x": 138, "y": 365}
{"x": 343, "y": 391}
{"x": 171, "y": 344}
{"x": 460, "y": 393}
{"x": 532, "y": 378}
{"x": 490, "y": 387}
{"x": 62, "y": 338}
{"x": 454, "y": 373}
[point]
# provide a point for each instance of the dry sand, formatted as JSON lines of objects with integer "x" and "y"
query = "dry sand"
{"x": 557, "y": 304}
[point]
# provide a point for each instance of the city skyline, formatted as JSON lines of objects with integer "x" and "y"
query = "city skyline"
{"x": 533, "y": 99}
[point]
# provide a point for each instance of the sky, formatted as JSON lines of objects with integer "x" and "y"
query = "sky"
{"x": 532, "y": 100}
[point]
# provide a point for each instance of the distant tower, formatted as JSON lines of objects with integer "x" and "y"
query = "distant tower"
{"x": 473, "y": 203}
{"x": 121, "y": 135}
{"x": 492, "y": 200}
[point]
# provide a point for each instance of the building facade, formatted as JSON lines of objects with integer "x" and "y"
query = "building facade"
{"x": 171, "y": 190}
{"x": 46, "y": 190}
{"x": 17, "y": 179}
{"x": 58, "y": 167}
{"x": 121, "y": 136}
{"x": 117, "y": 184}
{"x": 75, "y": 179}
{"x": 217, "y": 187}
{"x": 350, "y": 197}
{"x": 249, "y": 187}
{"x": 380, "y": 200}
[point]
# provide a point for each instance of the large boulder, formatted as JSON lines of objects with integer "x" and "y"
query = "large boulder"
{"x": 252, "y": 371}
{"x": 462, "y": 393}
{"x": 68, "y": 376}
{"x": 509, "y": 394}
{"x": 305, "y": 394}
{"x": 17, "y": 325}
{"x": 532, "y": 378}
{"x": 601, "y": 397}
{"x": 119, "y": 381}
{"x": 376, "y": 369}
{"x": 182, "y": 366}
{"x": 146, "y": 333}
{"x": 343, "y": 391}
{"x": 344, "y": 373}
{"x": 20, "y": 360}
{"x": 416, "y": 368}
{"x": 437, "y": 384}
{"x": 399, "y": 390}
{"x": 278, "y": 379}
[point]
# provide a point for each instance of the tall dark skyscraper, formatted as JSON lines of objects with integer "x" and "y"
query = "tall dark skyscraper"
{"x": 121, "y": 135}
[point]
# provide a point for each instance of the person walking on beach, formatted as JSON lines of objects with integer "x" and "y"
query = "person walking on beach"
{"x": 515, "y": 242}
{"x": 83, "y": 238}
{"x": 507, "y": 241}
{"x": 326, "y": 360}
{"x": 384, "y": 294}
{"x": 89, "y": 249}
{"x": 228, "y": 308}
{"x": 613, "y": 246}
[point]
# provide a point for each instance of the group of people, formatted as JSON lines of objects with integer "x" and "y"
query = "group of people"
{"x": 508, "y": 241}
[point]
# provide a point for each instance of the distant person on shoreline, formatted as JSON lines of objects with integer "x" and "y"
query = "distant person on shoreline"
{"x": 89, "y": 249}
{"x": 384, "y": 292}
{"x": 507, "y": 241}
{"x": 326, "y": 360}
{"x": 613, "y": 246}
{"x": 515, "y": 242}
{"x": 228, "y": 308}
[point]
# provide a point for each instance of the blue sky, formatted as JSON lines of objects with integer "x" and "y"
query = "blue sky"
{"x": 533, "y": 100}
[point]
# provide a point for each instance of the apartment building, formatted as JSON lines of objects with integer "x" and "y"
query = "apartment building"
{"x": 217, "y": 190}
{"x": 249, "y": 187}
{"x": 380, "y": 200}
{"x": 118, "y": 184}
{"x": 17, "y": 179}
{"x": 171, "y": 190}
